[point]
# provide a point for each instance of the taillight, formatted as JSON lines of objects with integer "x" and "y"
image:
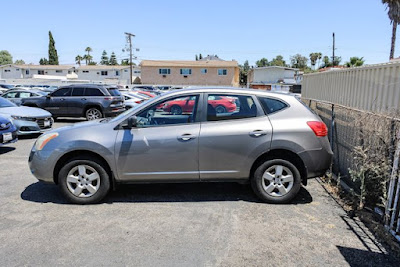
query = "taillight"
{"x": 138, "y": 101}
{"x": 108, "y": 98}
{"x": 318, "y": 127}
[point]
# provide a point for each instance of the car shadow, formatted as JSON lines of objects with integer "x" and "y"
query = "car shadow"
{"x": 28, "y": 136}
{"x": 183, "y": 192}
{"x": 69, "y": 120}
{"x": 6, "y": 149}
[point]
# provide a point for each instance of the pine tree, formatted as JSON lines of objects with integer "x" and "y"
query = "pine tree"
{"x": 197, "y": 58}
{"x": 113, "y": 59}
{"x": 43, "y": 61}
{"x": 200, "y": 56}
{"x": 104, "y": 58}
{"x": 53, "y": 57}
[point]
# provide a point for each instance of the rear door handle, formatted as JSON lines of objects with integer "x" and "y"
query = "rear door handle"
{"x": 257, "y": 133}
{"x": 186, "y": 137}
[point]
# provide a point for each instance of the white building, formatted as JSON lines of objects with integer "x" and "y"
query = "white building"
{"x": 107, "y": 74}
{"x": 273, "y": 78}
{"x": 27, "y": 71}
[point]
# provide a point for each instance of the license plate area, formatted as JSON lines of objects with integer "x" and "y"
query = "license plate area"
{"x": 7, "y": 137}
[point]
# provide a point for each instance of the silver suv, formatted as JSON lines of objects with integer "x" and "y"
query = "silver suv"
{"x": 194, "y": 135}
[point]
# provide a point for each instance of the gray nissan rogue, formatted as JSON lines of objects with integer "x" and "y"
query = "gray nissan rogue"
{"x": 193, "y": 135}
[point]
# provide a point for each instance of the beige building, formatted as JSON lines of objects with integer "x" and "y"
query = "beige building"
{"x": 202, "y": 72}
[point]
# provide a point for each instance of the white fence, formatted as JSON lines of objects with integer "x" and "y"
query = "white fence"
{"x": 372, "y": 88}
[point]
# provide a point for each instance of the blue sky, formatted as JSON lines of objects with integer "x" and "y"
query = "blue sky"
{"x": 178, "y": 30}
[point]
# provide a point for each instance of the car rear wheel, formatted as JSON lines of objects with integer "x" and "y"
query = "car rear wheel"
{"x": 220, "y": 109}
{"x": 84, "y": 181}
{"x": 93, "y": 114}
{"x": 276, "y": 181}
{"x": 176, "y": 110}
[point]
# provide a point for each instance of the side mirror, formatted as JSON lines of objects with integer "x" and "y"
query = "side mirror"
{"x": 131, "y": 122}
{"x": 48, "y": 96}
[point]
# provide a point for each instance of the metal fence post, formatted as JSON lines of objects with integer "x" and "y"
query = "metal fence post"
{"x": 392, "y": 186}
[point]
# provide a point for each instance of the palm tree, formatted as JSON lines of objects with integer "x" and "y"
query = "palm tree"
{"x": 319, "y": 58}
{"x": 88, "y": 59}
{"x": 393, "y": 7}
{"x": 78, "y": 59}
{"x": 88, "y": 56}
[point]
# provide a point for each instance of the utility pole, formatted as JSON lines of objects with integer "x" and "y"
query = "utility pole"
{"x": 129, "y": 39}
{"x": 333, "y": 51}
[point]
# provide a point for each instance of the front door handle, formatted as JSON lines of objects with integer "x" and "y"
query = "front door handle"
{"x": 83, "y": 98}
{"x": 62, "y": 99}
{"x": 186, "y": 137}
{"x": 257, "y": 133}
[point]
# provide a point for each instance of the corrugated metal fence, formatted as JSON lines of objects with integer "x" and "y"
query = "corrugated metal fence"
{"x": 372, "y": 88}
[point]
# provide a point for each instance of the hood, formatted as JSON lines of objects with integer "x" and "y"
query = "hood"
{"x": 25, "y": 112}
{"x": 83, "y": 124}
{"x": 4, "y": 120}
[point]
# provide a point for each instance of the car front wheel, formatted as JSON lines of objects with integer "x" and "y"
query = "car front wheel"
{"x": 276, "y": 181}
{"x": 84, "y": 181}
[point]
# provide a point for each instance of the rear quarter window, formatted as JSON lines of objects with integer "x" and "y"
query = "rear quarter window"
{"x": 93, "y": 92}
{"x": 272, "y": 105}
{"x": 114, "y": 92}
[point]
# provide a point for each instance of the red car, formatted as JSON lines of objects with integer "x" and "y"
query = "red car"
{"x": 220, "y": 103}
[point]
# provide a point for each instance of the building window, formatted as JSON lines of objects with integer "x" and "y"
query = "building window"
{"x": 203, "y": 71}
{"x": 27, "y": 72}
{"x": 59, "y": 71}
{"x": 136, "y": 71}
{"x": 69, "y": 72}
{"x": 117, "y": 73}
{"x": 164, "y": 71}
{"x": 186, "y": 71}
{"x": 222, "y": 72}
{"x": 17, "y": 69}
{"x": 104, "y": 73}
{"x": 85, "y": 71}
{"x": 7, "y": 70}
{"x": 125, "y": 70}
{"x": 40, "y": 72}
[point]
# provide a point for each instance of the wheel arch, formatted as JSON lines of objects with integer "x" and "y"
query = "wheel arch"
{"x": 88, "y": 106}
{"x": 285, "y": 155}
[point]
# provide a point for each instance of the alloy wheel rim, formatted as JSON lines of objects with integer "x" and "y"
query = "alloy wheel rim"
{"x": 277, "y": 181}
{"x": 83, "y": 181}
{"x": 220, "y": 109}
{"x": 175, "y": 111}
{"x": 93, "y": 114}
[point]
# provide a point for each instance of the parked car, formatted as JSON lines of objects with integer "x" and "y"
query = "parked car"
{"x": 5, "y": 87}
{"x": 132, "y": 100}
{"x": 16, "y": 95}
{"x": 273, "y": 141}
{"x": 27, "y": 120}
{"x": 80, "y": 100}
{"x": 8, "y": 131}
{"x": 144, "y": 94}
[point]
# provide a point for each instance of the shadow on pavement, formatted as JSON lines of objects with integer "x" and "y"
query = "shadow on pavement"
{"x": 6, "y": 149}
{"x": 189, "y": 192}
{"x": 29, "y": 136}
{"x": 69, "y": 120}
{"x": 358, "y": 257}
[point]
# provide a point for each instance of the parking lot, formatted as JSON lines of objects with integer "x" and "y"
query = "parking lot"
{"x": 173, "y": 225}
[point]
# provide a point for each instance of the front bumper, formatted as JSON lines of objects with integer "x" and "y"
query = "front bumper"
{"x": 40, "y": 167}
{"x": 36, "y": 126}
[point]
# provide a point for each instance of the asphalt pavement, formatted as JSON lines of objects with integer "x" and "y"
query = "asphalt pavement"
{"x": 210, "y": 224}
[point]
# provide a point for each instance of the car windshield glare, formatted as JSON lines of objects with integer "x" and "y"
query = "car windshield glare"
{"x": 4, "y": 103}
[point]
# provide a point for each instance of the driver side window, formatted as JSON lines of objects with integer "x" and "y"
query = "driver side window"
{"x": 178, "y": 110}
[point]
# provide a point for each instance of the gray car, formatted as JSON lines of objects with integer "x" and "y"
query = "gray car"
{"x": 27, "y": 120}
{"x": 16, "y": 95}
{"x": 271, "y": 140}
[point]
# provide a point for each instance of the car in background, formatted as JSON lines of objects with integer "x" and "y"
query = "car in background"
{"x": 8, "y": 131}
{"x": 27, "y": 120}
{"x": 273, "y": 141}
{"x": 144, "y": 94}
{"x": 132, "y": 100}
{"x": 143, "y": 88}
{"x": 92, "y": 101}
{"x": 5, "y": 87}
{"x": 16, "y": 95}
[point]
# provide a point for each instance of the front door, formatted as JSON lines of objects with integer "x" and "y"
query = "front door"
{"x": 57, "y": 102}
{"x": 163, "y": 145}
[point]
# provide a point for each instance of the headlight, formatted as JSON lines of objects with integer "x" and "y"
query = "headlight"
{"x": 44, "y": 139}
{"x": 22, "y": 118}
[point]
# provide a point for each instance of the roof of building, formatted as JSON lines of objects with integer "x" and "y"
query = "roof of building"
{"x": 103, "y": 67}
{"x": 274, "y": 67}
{"x": 39, "y": 67}
{"x": 211, "y": 57}
{"x": 188, "y": 63}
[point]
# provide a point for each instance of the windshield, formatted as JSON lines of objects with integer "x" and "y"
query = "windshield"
{"x": 4, "y": 103}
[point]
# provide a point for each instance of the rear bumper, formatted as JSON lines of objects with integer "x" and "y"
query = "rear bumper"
{"x": 317, "y": 161}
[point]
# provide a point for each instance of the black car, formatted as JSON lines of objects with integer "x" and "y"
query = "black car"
{"x": 80, "y": 100}
{"x": 8, "y": 131}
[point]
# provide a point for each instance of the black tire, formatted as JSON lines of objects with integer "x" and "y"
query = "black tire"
{"x": 258, "y": 187}
{"x": 220, "y": 109}
{"x": 176, "y": 110}
{"x": 104, "y": 180}
{"x": 90, "y": 111}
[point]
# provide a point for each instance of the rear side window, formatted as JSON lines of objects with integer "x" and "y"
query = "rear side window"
{"x": 93, "y": 92}
{"x": 272, "y": 105}
{"x": 114, "y": 92}
{"x": 62, "y": 92}
{"x": 230, "y": 107}
{"x": 78, "y": 91}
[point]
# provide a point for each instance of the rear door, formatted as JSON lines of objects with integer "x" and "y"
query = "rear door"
{"x": 230, "y": 141}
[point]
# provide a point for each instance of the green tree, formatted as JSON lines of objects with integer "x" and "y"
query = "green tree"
{"x": 313, "y": 59}
{"x": 125, "y": 62}
{"x": 19, "y": 62}
{"x": 278, "y": 61}
{"x": 88, "y": 57}
{"x": 53, "y": 57}
{"x": 393, "y": 8}
{"x": 104, "y": 59}
{"x": 200, "y": 56}
{"x": 113, "y": 59}
{"x": 298, "y": 61}
{"x": 92, "y": 63}
{"x": 319, "y": 58}
{"x": 78, "y": 59}
{"x": 197, "y": 58}
{"x": 355, "y": 62}
{"x": 43, "y": 61}
{"x": 262, "y": 62}
{"x": 5, "y": 57}
{"x": 337, "y": 60}
{"x": 244, "y": 71}
{"x": 326, "y": 62}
